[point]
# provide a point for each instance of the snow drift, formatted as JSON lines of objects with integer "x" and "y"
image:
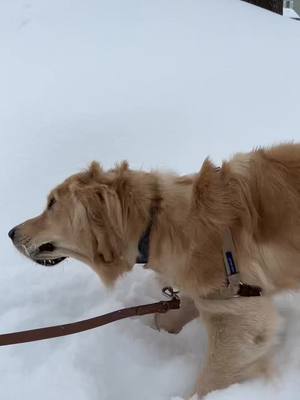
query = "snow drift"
{"x": 162, "y": 84}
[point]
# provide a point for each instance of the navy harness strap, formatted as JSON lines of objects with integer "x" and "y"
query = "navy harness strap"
{"x": 144, "y": 242}
{"x": 144, "y": 245}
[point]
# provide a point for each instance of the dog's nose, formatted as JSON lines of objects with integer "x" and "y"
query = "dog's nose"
{"x": 12, "y": 233}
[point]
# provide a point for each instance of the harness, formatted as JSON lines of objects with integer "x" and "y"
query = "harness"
{"x": 235, "y": 287}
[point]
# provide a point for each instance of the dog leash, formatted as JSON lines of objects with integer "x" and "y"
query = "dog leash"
{"x": 84, "y": 325}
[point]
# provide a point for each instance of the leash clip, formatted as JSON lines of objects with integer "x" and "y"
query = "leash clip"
{"x": 169, "y": 292}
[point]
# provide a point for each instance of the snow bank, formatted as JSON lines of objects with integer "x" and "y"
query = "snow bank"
{"x": 162, "y": 84}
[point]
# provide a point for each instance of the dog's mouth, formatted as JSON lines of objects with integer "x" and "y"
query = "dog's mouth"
{"x": 45, "y": 257}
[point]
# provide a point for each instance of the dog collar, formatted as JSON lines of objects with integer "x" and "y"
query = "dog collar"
{"x": 235, "y": 287}
{"x": 144, "y": 242}
{"x": 144, "y": 245}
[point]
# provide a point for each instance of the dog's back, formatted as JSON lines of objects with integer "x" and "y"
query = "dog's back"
{"x": 257, "y": 196}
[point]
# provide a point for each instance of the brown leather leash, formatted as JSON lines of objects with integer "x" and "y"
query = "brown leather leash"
{"x": 81, "y": 326}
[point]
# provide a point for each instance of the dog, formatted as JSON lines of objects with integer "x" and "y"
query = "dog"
{"x": 101, "y": 217}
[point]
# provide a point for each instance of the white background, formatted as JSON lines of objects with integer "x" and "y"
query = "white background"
{"x": 162, "y": 84}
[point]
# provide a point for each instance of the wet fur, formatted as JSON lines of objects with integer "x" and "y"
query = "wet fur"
{"x": 256, "y": 195}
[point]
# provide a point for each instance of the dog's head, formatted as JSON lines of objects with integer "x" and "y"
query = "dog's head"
{"x": 85, "y": 218}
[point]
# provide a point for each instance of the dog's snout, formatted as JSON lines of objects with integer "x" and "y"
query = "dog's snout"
{"x": 12, "y": 233}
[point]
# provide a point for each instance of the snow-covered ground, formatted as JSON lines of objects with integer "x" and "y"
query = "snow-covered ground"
{"x": 162, "y": 84}
{"x": 289, "y": 12}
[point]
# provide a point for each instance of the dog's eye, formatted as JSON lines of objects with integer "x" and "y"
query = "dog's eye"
{"x": 51, "y": 203}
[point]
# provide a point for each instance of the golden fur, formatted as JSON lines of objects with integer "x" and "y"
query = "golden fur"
{"x": 98, "y": 217}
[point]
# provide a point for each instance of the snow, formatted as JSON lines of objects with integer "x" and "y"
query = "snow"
{"x": 289, "y": 12}
{"x": 162, "y": 84}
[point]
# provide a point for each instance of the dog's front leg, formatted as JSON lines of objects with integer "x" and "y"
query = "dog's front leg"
{"x": 173, "y": 321}
{"x": 241, "y": 336}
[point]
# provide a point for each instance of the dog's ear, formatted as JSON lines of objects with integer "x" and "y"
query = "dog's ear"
{"x": 207, "y": 184}
{"x": 219, "y": 197}
{"x": 104, "y": 215}
{"x": 210, "y": 200}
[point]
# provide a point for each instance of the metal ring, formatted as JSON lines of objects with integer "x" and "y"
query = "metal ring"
{"x": 169, "y": 292}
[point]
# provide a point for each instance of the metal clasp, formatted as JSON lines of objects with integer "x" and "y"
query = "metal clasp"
{"x": 169, "y": 292}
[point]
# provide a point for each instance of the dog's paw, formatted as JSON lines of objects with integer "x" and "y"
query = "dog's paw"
{"x": 167, "y": 322}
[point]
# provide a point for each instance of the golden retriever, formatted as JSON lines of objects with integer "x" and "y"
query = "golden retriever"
{"x": 99, "y": 218}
